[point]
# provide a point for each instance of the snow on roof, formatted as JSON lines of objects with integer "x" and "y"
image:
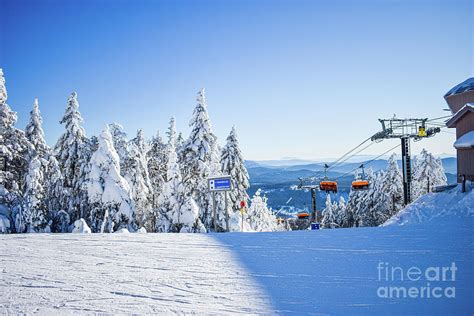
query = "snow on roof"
{"x": 464, "y": 86}
{"x": 468, "y": 107}
{"x": 466, "y": 141}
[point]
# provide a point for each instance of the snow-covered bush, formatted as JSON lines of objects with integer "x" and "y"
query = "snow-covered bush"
{"x": 122, "y": 231}
{"x": 81, "y": 227}
{"x": 141, "y": 230}
{"x": 235, "y": 223}
{"x": 259, "y": 216}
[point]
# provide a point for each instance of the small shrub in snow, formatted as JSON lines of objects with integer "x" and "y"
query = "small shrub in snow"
{"x": 122, "y": 231}
{"x": 261, "y": 219}
{"x": 81, "y": 227}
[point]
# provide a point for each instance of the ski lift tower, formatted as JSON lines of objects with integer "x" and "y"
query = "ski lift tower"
{"x": 405, "y": 129}
{"x": 312, "y": 188}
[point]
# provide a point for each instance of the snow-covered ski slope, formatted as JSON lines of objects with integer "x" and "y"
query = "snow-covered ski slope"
{"x": 327, "y": 271}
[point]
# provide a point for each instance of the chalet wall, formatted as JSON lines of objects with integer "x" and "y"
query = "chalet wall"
{"x": 465, "y": 124}
{"x": 465, "y": 163}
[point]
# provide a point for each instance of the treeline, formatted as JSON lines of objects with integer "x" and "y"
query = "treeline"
{"x": 384, "y": 198}
{"x": 111, "y": 182}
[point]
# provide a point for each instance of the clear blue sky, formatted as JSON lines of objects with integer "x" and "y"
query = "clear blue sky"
{"x": 301, "y": 79}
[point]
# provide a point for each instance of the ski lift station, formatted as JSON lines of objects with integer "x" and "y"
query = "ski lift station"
{"x": 461, "y": 103}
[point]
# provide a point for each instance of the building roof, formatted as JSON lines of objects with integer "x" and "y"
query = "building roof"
{"x": 469, "y": 107}
{"x": 467, "y": 85}
{"x": 466, "y": 141}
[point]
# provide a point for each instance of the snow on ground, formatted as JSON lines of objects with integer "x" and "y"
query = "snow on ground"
{"x": 438, "y": 207}
{"x": 123, "y": 274}
{"x": 328, "y": 271}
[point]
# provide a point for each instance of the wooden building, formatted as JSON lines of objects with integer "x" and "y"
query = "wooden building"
{"x": 461, "y": 102}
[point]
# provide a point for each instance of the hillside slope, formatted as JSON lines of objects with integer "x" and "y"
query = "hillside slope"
{"x": 305, "y": 272}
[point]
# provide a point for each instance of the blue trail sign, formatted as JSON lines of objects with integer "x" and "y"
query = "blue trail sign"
{"x": 223, "y": 183}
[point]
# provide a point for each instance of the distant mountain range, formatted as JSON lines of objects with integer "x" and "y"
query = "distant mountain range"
{"x": 278, "y": 178}
{"x": 291, "y": 161}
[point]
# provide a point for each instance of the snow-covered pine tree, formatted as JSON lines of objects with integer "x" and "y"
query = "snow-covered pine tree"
{"x": 133, "y": 167}
{"x": 36, "y": 186}
{"x": 36, "y": 215}
{"x": 361, "y": 203}
{"x": 172, "y": 134}
{"x": 177, "y": 211}
{"x": 54, "y": 193}
{"x": 329, "y": 213}
{"x": 157, "y": 160}
{"x": 119, "y": 138}
{"x": 34, "y": 132}
{"x": 350, "y": 216}
{"x": 428, "y": 171}
{"x": 380, "y": 199}
{"x": 179, "y": 142}
{"x": 340, "y": 214}
{"x": 136, "y": 174}
{"x": 199, "y": 158}
{"x": 141, "y": 143}
{"x": 392, "y": 185}
{"x": 108, "y": 192}
{"x": 14, "y": 154}
{"x": 232, "y": 163}
{"x": 260, "y": 218}
{"x": 54, "y": 185}
{"x": 72, "y": 154}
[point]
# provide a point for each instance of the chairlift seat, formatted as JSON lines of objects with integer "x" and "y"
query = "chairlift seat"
{"x": 360, "y": 185}
{"x": 328, "y": 186}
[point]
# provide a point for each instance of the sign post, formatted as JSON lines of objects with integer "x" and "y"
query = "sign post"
{"x": 220, "y": 184}
{"x": 242, "y": 211}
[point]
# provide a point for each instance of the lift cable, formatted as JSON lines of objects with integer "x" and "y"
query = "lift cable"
{"x": 368, "y": 161}
{"x": 346, "y": 154}
{"x": 354, "y": 154}
{"x": 439, "y": 118}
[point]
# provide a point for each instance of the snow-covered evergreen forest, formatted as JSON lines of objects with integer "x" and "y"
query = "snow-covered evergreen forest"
{"x": 115, "y": 182}
{"x": 384, "y": 197}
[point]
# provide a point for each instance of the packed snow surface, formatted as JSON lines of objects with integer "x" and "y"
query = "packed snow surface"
{"x": 331, "y": 271}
